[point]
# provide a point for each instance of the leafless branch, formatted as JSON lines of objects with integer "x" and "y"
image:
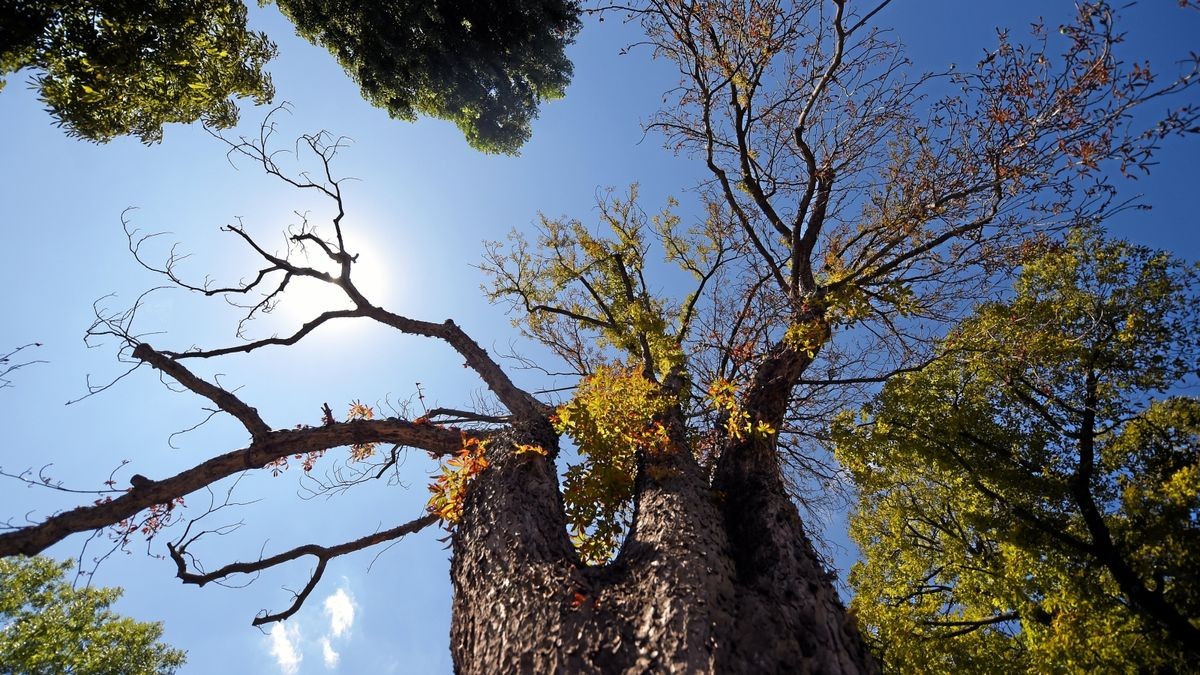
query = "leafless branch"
{"x": 262, "y": 451}
{"x": 223, "y": 399}
{"x": 8, "y": 366}
{"x": 322, "y": 553}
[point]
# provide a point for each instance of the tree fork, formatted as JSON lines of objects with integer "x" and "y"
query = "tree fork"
{"x": 783, "y": 588}
{"x": 679, "y": 596}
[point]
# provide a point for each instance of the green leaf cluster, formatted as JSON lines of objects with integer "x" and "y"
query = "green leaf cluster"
{"x": 47, "y": 627}
{"x": 128, "y": 67}
{"x": 572, "y": 279}
{"x": 483, "y": 65}
{"x": 1032, "y": 498}
{"x": 610, "y": 419}
{"x": 108, "y": 68}
{"x": 582, "y": 292}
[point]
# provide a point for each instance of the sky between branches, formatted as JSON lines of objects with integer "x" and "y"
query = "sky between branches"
{"x": 424, "y": 203}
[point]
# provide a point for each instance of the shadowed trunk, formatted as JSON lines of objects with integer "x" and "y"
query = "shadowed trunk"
{"x": 711, "y": 579}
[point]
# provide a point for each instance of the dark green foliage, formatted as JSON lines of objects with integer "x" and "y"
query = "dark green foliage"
{"x": 115, "y": 67}
{"x": 107, "y": 68}
{"x": 483, "y": 65}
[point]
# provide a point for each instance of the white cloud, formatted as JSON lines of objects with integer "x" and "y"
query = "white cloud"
{"x": 340, "y": 609}
{"x": 283, "y": 647}
{"x": 331, "y": 657}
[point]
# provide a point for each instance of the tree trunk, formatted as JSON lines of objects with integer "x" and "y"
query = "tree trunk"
{"x": 711, "y": 579}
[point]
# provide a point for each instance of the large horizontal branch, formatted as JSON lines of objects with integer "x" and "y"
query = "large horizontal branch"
{"x": 270, "y": 447}
{"x": 322, "y": 553}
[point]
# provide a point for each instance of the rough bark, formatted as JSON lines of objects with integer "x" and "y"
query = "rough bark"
{"x": 714, "y": 578}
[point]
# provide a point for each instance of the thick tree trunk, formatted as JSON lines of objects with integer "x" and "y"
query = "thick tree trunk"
{"x": 718, "y": 579}
{"x": 789, "y": 617}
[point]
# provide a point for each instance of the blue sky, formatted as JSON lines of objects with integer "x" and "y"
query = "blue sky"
{"x": 423, "y": 204}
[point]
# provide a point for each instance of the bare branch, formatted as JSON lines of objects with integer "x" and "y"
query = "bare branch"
{"x": 223, "y": 399}
{"x": 455, "y": 415}
{"x": 8, "y": 367}
{"x": 322, "y": 553}
{"x": 268, "y": 448}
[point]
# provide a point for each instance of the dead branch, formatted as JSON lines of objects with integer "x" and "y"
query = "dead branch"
{"x": 262, "y": 451}
{"x": 8, "y": 366}
{"x": 223, "y": 399}
{"x": 323, "y": 554}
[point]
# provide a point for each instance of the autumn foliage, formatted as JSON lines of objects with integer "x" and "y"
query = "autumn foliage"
{"x": 611, "y": 419}
{"x": 450, "y": 485}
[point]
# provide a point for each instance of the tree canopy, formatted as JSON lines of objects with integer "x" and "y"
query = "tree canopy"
{"x": 851, "y": 211}
{"x": 486, "y": 66}
{"x": 47, "y": 627}
{"x": 1031, "y": 497}
{"x": 108, "y": 69}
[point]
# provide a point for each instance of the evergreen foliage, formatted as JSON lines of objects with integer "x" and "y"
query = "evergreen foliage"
{"x": 483, "y": 65}
{"x": 128, "y": 67}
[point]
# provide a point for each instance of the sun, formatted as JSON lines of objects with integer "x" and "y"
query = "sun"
{"x": 306, "y": 298}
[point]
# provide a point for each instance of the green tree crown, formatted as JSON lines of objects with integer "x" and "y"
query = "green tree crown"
{"x": 483, "y": 65}
{"x": 129, "y": 67}
{"x": 48, "y": 627}
{"x": 1033, "y": 496}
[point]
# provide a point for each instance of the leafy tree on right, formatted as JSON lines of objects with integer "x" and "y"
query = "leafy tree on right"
{"x": 1032, "y": 498}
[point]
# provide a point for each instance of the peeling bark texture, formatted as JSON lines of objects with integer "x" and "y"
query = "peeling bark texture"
{"x": 708, "y": 581}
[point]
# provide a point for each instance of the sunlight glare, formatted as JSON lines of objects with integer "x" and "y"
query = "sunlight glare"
{"x": 306, "y": 298}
